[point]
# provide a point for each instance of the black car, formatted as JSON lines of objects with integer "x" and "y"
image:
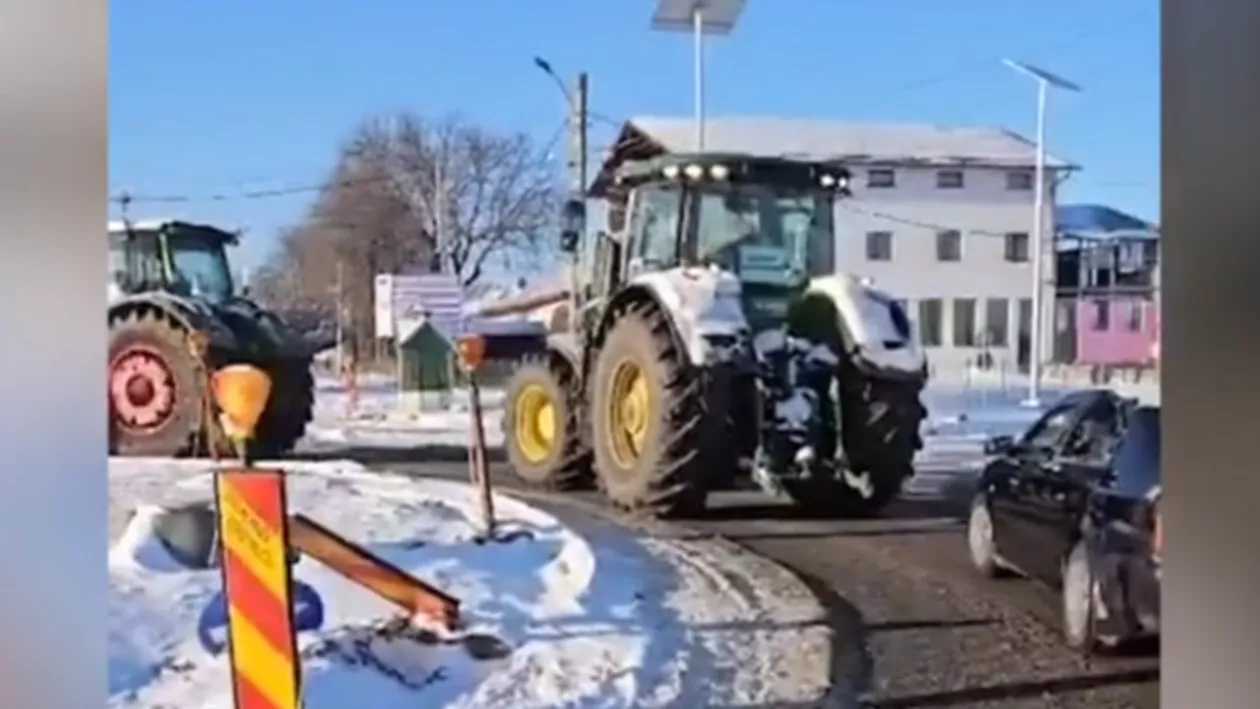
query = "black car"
{"x": 1074, "y": 503}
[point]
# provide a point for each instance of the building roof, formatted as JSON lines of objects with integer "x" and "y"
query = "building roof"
{"x": 889, "y": 143}
{"x": 1096, "y": 222}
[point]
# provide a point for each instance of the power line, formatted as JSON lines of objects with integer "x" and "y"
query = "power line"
{"x": 125, "y": 198}
{"x": 929, "y": 226}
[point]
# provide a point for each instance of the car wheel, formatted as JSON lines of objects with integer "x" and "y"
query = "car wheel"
{"x": 1078, "y": 600}
{"x": 980, "y": 539}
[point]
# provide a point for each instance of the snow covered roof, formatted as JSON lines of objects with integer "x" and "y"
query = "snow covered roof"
{"x": 855, "y": 143}
{"x": 1099, "y": 222}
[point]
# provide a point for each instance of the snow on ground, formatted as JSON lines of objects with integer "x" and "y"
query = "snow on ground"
{"x": 963, "y": 410}
{"x": 592, "y": 615}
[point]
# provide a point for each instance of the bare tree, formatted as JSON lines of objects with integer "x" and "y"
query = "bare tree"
{"x": 478, "y": 194}
{"x": 410, "y": 195}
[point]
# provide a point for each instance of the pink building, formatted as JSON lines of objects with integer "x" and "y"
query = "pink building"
{"x": 1107, "y": 287}
{"x": 1120, "y": 331}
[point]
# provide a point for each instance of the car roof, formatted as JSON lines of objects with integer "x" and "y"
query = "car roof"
{"x": 1084, "y": 397}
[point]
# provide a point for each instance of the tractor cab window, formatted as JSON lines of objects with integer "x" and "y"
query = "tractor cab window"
{"x": 764, "y": 234}
{"x": 135, "y": 261}
{"x": 199, "y": 265}
{"x": 654, "y": 221}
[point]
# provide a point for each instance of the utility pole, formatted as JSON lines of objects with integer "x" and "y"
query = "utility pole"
{"x": 439, "y": 206}
{"x": 578, "y": 127}
{"x": 340, "y": 328}
{"x": 578, "y": 121}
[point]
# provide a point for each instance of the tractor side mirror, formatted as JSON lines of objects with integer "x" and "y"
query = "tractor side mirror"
{"x": 573, "y": 224}
{"x": 999, "y": 445}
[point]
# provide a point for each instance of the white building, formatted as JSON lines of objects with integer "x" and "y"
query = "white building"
{"x": 940, "y": 217}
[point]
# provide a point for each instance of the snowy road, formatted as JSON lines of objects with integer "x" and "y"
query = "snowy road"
{"x": 915, "y": 627}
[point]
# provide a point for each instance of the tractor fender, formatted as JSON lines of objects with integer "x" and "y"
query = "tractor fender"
{"x": 702, "y": 306}
{"x": 188, "y": 314}
{"x": 846, "y": 312}
{"x": 565, "y": 345}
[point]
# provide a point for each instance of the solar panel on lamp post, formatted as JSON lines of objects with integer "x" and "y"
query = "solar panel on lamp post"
{"x": 1044, "y": 81}
{"x": 699, "y": 17}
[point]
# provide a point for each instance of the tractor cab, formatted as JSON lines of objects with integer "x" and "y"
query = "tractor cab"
{"x": 769, "y": 221}
{"x": 173, "y": 256}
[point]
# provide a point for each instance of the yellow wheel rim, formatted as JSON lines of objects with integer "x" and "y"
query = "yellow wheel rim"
{"x": 629, "y": 409}
{"x": 535, "y": 423}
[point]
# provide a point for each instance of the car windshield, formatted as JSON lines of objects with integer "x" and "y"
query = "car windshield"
{"x": 764, "y": 233}
{"x": 1051, "y": 428}
{"x": 1137, "y": 460}
{"x": 200, "y": 265}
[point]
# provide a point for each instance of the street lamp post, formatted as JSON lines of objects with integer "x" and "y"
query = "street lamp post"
{"x": 573, "y": 225}
{"x": 699, "y": 17}
{"x": 1044, "y": 81}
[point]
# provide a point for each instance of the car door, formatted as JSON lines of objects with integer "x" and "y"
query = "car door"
{"x": 1011, "y": 483}
{"x": 1057, "y": 491}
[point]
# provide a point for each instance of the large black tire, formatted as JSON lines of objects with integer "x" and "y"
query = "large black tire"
{"x": 879, "y": 436}
{"x": 144, "y": 338}
{"x": 289, "y": 409}
{"x": 567, "y": 463}
{"x": 669, "y": 476}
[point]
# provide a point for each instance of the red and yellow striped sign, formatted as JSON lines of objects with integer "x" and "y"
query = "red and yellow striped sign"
{"x": 257, "y": 583}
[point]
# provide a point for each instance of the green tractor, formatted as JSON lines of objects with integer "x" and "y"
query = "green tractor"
{"x": 174, "y": 318}
{"x": 711, "y": 337}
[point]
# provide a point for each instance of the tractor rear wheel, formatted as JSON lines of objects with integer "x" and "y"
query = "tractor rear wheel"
{"x": 652, "y": 449}
{"x": 879, "y": 434}
{"x": 289, "y": 408}
{"x": 541, "y": 426}
{"x": 156, "y": 389}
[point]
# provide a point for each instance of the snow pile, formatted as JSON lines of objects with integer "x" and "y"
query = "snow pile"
{"x": 382, "y": 417}
{"x": 559, "y": 615}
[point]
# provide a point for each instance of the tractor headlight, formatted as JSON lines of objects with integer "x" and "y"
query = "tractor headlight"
{"x": 828, "y": 181}
{"x": 670, "y": 172}
{"x": 693, "y": 172}
{"x": 719, "y": 172}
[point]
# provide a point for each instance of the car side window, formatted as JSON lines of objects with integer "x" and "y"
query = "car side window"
{"x": 1094, "y": 437}
{"x": 1051, "y": 428}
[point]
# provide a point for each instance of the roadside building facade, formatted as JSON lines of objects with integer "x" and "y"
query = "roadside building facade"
{"x": 940, "y": 217}
{"x": 1107, "y": 288}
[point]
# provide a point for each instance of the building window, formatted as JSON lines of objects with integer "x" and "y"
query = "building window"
{"x": 1134, "y": 322}
{"x": 996, "y": 319}
{"x": 930, "y": 322}
{"x": 1021, "y": 180}
{"x": 1016, "y": 250}
{"x": 949, "y": 179}
{"x": 948, "y": 246}
{"x": 1102, "y": 316}
{"x": 1025, "y": 317}
{"x": 964, "y": 322}
{"x": 880, "y": 179}
{"x": 879, "y": 246}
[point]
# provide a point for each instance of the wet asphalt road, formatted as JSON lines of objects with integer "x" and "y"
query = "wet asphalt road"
{"x": 916, "y": 627}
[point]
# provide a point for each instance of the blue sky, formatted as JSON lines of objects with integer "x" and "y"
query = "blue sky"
{"x": 225, "y": 96}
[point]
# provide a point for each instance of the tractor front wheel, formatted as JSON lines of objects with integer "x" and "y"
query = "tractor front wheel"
{"x": 155, "y": 387}
{"x": 652, "y": 451}
{"x": 541, "y": 430}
